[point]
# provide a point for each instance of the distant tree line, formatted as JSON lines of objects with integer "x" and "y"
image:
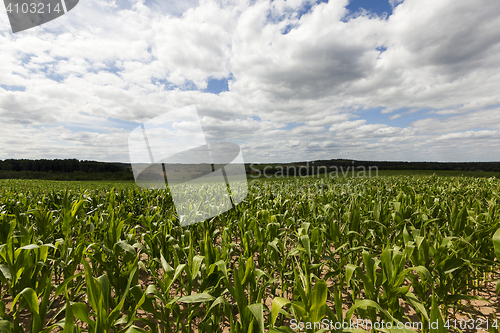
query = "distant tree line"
{"x": 73, "y": 169}
{"x": 388, "y": 165}
{"x": 68, "y": 165}
{"x": 327, "y": 166}
{"x": 66, "y": 169}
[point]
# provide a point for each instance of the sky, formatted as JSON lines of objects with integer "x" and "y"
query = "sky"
{"x": 387, "y": 80}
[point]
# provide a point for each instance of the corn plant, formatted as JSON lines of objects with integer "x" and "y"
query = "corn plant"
{"x": 112, "y": 257}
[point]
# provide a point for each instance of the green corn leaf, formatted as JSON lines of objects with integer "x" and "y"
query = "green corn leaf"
{"x": 151, "y": 289}
{"x": 496, "y": 243}
{"x": 282, "y": 329}
{"x": 167, "y": 269}
{"x": 258, "y": 312}
{"x": 177, "y": 273}
{"x": 422, "y": 271}
{"x": 460, "y": 221}
{"x": 299, "y": 308}
{"x": 144, "y": 302}
{"x": 417, "y": 305}
{"x": 406, "y": 236}
{"x": 30, "y": 247}
{"x": 318, "y": 301}
{"x": 6, "y": 326}
{"x": 218, "y": 301}
{"x": 452, "y": 264}
{"x": 135, "y": 329}
{"x": 93, "y": 292}
{"x": 115, "y": 313}
{"x": 196, "y": 298}
{"x": 278, "y": 303}
{"x": 222, "y": 267}
{"x": 5, "y": 270}
{"x": 80, "y": 311}
{"x": 69, "y": 321}
{"x": 32, "y": 299}
{"x": 306, "y": 243}
{"x": 44, "y": 305}
{"x": 437, "y": 324}
{"x": 60, "y": 288}
{"x": 250, "y": 268}
{"x": 239, "y": 293}
{"x": 126, "y": 247}
{"x": 350, "y": 269}
{"x": 197, "y": 261}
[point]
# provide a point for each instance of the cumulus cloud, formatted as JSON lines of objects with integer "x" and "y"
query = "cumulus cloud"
{"x": 394, "y": 3}
{"x": 430, "y": 70}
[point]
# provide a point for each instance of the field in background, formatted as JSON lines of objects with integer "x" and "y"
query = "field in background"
{"x": 110, "y": 257}
{"x": 382, "y": 173}
{"x": 73, "y": 169}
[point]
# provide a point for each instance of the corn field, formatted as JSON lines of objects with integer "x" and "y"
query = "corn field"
{"x": 102, "y": 257}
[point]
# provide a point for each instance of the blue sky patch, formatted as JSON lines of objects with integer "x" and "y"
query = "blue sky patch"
{"x": 55, "y": 77}
{"x": 216, "y": 86}
{"x": 378, "y": 7}
{"x": 124, "y": 124}
{"x": 406, "y": 119}
{"x": 26, "y": 58}
{"x": 371, "y": 115}
{"x": 375, "y": 116}
{"x": 76, "y": 129}
{"x": 162, "y": 82}
{"x": 493, "y": 107}
{"x": 308, "y": 6}
{"x": 111, "y": 67}
{"x": 292, "y": 125}
{"x": 288, "y": 28}
{"x": 12, "y": 88}
{"x": 187, "y": 86}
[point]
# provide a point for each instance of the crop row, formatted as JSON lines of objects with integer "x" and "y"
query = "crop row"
{"x": 113, "y": 258}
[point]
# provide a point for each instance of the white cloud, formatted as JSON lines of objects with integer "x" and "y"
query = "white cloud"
{"x": 469, "y": 134}
{"x": 347, "y": 125}
{"x": 394, "y": 3}
{"x": 196, "y": 46}
{"x": 132, "y": 61}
